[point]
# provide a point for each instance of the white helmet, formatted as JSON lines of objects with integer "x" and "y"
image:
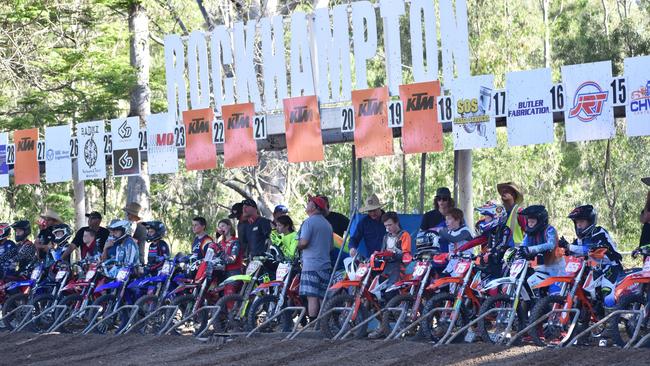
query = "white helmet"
{"x": 123, "y": 225}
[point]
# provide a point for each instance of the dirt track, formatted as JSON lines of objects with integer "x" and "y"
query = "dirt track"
{"x": 58, "y": 349}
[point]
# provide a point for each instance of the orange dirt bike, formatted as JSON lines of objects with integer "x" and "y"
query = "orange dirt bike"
{"x": 351, "y": 306}
{"x": 632, "y": 293}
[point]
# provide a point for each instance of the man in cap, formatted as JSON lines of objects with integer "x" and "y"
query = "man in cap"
{"x": 370, "y": 229}
{"x": 44, "y": 239}
{"x": 512, "y": 198}
{"x": 645, "y": 218}
{"x": 435, "y": 219}
{"x": 315, "y": 242}
{"x": 236, "y": 212}
{"x": 132, "y": 211}
{"x": 94, "y": 224}
{"x": 258, "y": 229}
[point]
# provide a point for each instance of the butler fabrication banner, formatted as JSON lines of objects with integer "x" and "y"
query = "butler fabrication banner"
{"x": 4, "y": 168}
{"x": 58, "y": 165}
{"x": 372, "y": 136}
{"x": 239, "y": 148}
{"x": 200, "y": 152}
{"x": 303, "y": 132}
{"x": 162, "y": 153}
{"x": 26, "y": 167}
{"x": 588, "y": 113}
{"x": 473, "y": 124}
{"x": 530, "y": 119}
{"x": 421, "y": 131}
{"x": 91, "y": 161}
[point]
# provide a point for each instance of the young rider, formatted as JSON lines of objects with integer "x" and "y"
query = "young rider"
{"x": 126, "y": 249}
{"x": 158, "y": 248}
{"x": 24, "y": 252}
{"x": 61, "y": 251}
{"x": 6, "y": 245}
{"x": 229, "y": 251}
{"x": 456, "y": 233}
{"x": 202, "y": 240}
{"x": 288, "y": 237}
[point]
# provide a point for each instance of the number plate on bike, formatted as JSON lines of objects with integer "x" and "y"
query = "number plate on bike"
{"x": 122, "y": 275}
{"x": 646, "y": 265}
{"x": 166, "y": 268}
{"x": 517, "y": 266}
{"x": 59, "y": 275}
{"x": 361, "y": 271}
{"x": 282, "y": 271}
{"x": 461, "y": 268}
{"x": 90, "y": 274}
{"x": 252, "y": 267}
{"x": 420, "y": 269}
{"x": 573, "y": 265}
{"x": 36, "y": 274}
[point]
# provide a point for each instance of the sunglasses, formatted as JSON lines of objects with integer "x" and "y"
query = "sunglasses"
{"x": 442, "y": 198}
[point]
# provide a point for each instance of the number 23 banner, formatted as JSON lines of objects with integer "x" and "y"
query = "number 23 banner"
{"x": 239, "y": 148}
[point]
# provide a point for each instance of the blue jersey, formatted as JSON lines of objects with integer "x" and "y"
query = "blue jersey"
{"x": 6, "y": 247}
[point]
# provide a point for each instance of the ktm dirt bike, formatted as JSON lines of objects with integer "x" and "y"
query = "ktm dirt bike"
{"x": 632, "y": 293}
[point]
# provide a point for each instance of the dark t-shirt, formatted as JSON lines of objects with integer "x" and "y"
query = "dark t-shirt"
{"x": 645, "y": 235}
{"x": 241, "y": 235}
{"x": 431, "y": 219}
{"x": 100, "y": 238}
{"x": 44, "y": 236}
{"x": 257, "y": 233}
{"x": 338, "y": 221}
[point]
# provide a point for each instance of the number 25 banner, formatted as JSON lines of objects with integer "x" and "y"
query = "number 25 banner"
{"x": 421, "y": 131}
{"x": 239, "y": 148}
{"x": 372, "y": 136}
{"x": 302, "y": 125}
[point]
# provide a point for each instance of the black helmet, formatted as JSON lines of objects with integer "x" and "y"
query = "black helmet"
{"x": 538, "y": 212}
{"x": 585, "y": 212}
{"x": 64, "y": 231}
{"x": 158, "y": 226}
{"x": 23, "y": 225}
{"x": 5, "y": 230}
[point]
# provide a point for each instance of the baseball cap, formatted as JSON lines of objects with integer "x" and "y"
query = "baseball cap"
{"x": 236, "y": 210}
{"x": 94, "y": 215}
{"x": 249, "y": 202}
{"x": 319, "y": 202}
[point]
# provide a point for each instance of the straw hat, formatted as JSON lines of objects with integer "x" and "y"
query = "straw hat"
{"x": 509, "y": 185}
{"x": 51, "y": 214}
{"x": 371, "y": 203}
{"x": 133, "y": 208}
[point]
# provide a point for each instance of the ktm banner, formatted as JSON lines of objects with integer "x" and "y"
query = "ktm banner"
{"x": 421, "y": 131}
{"x": 26, "y": 167}
{"x": 200, "y": 152}
{"x": 372, "y": 136}
{"x": 239, "y": 148}
{"x": 302, "y": 126}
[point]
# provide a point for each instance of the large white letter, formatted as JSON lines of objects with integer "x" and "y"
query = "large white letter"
{"x": 420, "y": 73}
{"x": 454, "y": 36}
{"x": 245, "y": 77}
{"x": 390, "y": 11}
{"x": 333, "y": 54}
{"x": 221, "y": 54}
{"x": 197, "y": 50}
{"x": 174, "y": 73}
{"x": 302, "y": 78}
{"x": 274, "y": 65}
{"x": 362, "y": 11}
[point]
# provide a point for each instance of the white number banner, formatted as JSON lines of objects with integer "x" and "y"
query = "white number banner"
{"x": 162, "y": 153}
{"x": 91, "y": 162}
{"x": 637, "y": 109}
{"x": 529, "y": 116}
{"x": 126, "y": 153}
{"x": 58, "y": 165}
{"x": 4, "y": 167}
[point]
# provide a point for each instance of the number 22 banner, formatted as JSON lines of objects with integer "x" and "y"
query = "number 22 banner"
{"x": 239, "y": 148}
{"x": 372, "y": 136}
{"x": 421, "y": 131}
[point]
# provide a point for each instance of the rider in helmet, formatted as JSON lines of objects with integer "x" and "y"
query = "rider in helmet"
{"x": 61, "y": 234}
{"x": 24, "y": 252}
{"x": 158, "y": 248}
{"x": 541, "y": 244}
{"x": 591, "y": 237}
{"x": 126, "y": 250}
{"x": 6, "y": 245}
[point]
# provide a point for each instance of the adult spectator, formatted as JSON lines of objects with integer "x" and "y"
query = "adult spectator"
{"x": 100, "y": 237}
{"x": 132, "y": 211}
{"x": 44, "y": 239}
{"x": 339, "y": 222}
{"x": 315, "y": 242}
{"x": 645, "y": 218}
{"x": 370, "y": 229}
{"x": 435, "y": 219}
{"x": 512, "y": 197}
{"x": 258, "y": 229}
{"x": 236, "y": 212}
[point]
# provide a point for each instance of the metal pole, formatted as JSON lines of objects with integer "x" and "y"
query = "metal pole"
{"x": 423, "y": 170}
{"x": 359, "y": 186}
{"x": 353, "y": 178}
{"x": 464, "y": 168}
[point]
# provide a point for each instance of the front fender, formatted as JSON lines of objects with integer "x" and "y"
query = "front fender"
{"x": 632, "y": 280}
{"x": 235, "y": 278}
{"x": 551, "y": 280}
{"x": 345, "y": 284}
{"x": 17, "y": 284}
{"x": 499, "y": 282}
{"x": 444, "y": 281}
{"x": 267, "y": 285}
{"x": 108, "y": 286}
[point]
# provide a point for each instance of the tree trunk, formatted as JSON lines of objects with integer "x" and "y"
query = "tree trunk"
{"x": 138, "y": 186}
{"x": 545, "y": 4}
{"x": 78, "y": 187}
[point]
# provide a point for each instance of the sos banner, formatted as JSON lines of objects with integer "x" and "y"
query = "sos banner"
{"x": 239, "y": 148}
{"x": 91, "y": 162}
{"x": 200, "y": 152}
{"x": 162, "y": 153}
{"x": 473, "y": 122}
{"x": 530, "y": 119}
{"x": 637, "y": 110}
{"x": 303, "y": 132}
{"x": 126, "y": 156}
{"x": 26, "y": 167}
{"x": 588, "y": 111}
{"x": 58, "y": 165}
{"x": 421, "y": 131}
{"x": 4, "y": 168}
{"x": 372, "y": 136}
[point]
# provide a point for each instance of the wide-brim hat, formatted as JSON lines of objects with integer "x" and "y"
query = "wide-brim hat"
{"x": 371, "y": 203}
{"x": 133, "y": 208}
{"x": 51, "y": 214}
{"x": 509, "y": 185}
{"x": 646, "y": 180}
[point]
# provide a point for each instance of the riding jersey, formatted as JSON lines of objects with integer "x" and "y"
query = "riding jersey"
{"x": 599, "y": 238}
{"x": 456, "y": 238}
{"x": 126, "y": 251}
{"x": 6, "y": 247}
{"x": 157, "y": 250}
{"x": 230, "y": 252}
{"x": 23, "y": 254}
{"x": 544, "y": 245}
{"x": 200, "y": 246}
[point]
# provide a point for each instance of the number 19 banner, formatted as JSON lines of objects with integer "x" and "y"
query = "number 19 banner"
{"x": 421, "y": 131}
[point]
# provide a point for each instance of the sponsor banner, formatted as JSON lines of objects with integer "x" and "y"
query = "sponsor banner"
{"x": 4, "y": 168}
{"x": 26, "y": 167}
{"x": 239, "y": 148}
{"x": 588, "y": 113}
{"x": 91, "y": 162}
{"x": 372, "y": 136}
{"x": 637, "y": 109}
{"x": 421, "y": 131}
{"x": 162, "y": 154}
{"x": 529, "y": 116}
{"x": 200, "y": 152}
{"x": 303, "y": 132}
{"x": 473, "y": 122}
{"x": 58, "y": 165}
{"x": 126, "y": 156}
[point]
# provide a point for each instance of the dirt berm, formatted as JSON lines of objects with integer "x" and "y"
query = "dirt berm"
{"x": 69, "y": 350}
